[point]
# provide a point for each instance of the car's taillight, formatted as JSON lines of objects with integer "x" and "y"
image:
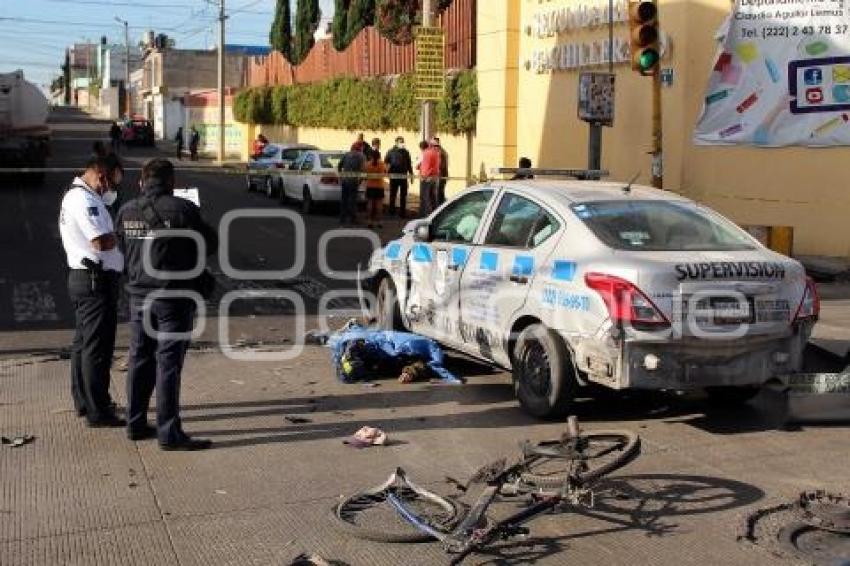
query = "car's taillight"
{"x": 810, "y": 305}
{"x": 329, "y": 180}
{"x": 626, "y": 303}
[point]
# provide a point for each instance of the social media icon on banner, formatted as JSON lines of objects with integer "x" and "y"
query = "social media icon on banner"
{"x": 841, "y": 74}
{"x": 841, "y": 93}
{"x": 813, "y": 76}
{"x": 814, "y": 95}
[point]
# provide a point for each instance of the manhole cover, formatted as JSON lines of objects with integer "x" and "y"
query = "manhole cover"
{"x": 814, "y": 529}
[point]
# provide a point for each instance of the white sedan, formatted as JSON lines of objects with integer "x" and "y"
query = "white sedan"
{"x": 568, "y": 283}
{"x": 265, "y": 171}
{"x": 313, "y": 178}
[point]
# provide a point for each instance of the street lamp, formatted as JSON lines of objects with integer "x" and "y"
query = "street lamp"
{"x": 126, "y": 64}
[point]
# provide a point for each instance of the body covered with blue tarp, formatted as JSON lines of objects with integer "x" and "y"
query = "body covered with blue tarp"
{"x": 390, "y": 347}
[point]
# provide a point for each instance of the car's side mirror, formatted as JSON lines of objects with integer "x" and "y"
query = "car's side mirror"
{"x": 422, "y": 232}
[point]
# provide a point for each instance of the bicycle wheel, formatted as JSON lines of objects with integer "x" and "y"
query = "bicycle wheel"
{"x": 372, "y": 516}
{"x": 601, "y": 453}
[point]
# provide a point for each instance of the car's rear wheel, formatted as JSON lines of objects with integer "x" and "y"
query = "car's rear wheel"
{"x": 544, "y": 378}
{"x": 731, "y": 396}
{"x": 269, "y": 187}
{"x": 386, "y": 310}
{"x": 307, "y": 204}
{"x": 249, "y": 183}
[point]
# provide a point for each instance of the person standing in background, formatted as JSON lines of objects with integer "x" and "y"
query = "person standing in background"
{"x": 375, "y": 188}
{"x": 194, "y": 142}
{"x": 115, "y": 137}
{"x": 429, "y": 172}
{"x": 353, "y": 163}
{"x": 179, "y": 140}
{"x": 399, "y": 163}
{"x": 444, "y": 172}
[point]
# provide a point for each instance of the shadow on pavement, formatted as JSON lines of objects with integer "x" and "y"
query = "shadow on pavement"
{"x": 638, "y": 502}
{"x": 744, "y": 419}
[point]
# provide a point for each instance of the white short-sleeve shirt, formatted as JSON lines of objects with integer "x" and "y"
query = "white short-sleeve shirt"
{"x": 82, "y": 218}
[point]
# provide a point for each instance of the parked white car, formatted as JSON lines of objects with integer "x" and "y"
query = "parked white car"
{"x": 264, "y": 172}
{"x": 313, "y": 179}
{"x": 568, "y": 283}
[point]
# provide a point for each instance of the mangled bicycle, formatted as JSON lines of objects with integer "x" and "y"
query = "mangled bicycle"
{"x": 551, "y": 474}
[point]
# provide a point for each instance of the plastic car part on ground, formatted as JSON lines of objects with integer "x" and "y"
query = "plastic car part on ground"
{"x": 367, "y": 436}
{"x": 16, "y": 441}
{"x": 358, "y": 351}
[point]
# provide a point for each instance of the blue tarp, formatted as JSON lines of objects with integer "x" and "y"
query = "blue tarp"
{"x": 390, "y": 345}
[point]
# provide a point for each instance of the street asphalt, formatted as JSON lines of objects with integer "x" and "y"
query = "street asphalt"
{"x": 263, "y": 494}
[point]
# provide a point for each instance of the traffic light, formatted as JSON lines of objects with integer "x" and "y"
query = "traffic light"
{"x": 643, "y": 34}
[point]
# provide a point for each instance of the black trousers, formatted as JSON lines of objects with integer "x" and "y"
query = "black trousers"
{"x": 96, "y": 313}
{"x": 441, "y": 190}
{"x": 398, "y": 187}
{"x": 348, "y": 201}
{"x": 156, "y": 361}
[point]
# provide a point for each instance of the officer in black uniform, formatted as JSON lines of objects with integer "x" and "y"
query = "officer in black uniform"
{"x": 154, "y": 360}
{"x": 95, "y": 264}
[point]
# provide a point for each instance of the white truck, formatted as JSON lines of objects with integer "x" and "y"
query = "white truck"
{"x": 24, "y": 135}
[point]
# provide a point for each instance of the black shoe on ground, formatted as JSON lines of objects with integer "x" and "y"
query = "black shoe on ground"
{"x": 110, "y": 421}
{"x": 142, "y": 433}
{"x": 81, "y": 412}
{"x": 187, "y": 444}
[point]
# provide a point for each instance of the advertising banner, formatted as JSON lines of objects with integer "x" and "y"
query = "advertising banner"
{"x": 781, "y": 76}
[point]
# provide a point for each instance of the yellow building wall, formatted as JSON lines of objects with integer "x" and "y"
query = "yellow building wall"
{"x": 799, "y": 187}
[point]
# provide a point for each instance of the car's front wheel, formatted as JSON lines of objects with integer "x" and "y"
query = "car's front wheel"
{"x": 386, "y": 310}
{"x": 270, "y": 187}
{"x": 544, "y": 378}
{"x": 249, "y": 183}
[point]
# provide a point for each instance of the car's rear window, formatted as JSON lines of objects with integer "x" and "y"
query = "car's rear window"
{"x": 331, "y": 160}
{"x": 657, "y": 225}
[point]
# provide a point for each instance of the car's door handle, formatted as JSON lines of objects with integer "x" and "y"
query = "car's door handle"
{"x": 521, "y": 279}
{"x": 453, "y": 266}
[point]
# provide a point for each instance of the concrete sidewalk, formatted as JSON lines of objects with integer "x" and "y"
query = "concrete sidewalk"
{"x": 263, "y": 494}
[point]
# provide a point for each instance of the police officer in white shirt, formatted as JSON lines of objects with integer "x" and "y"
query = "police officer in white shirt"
{"x": 95, "y": 263}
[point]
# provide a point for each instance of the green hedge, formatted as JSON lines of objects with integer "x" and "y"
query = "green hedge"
{"x": 347, "y": 103}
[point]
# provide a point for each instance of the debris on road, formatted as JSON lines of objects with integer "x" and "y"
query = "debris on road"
{"x": 16, "y": 441}
{"x": 818, "y": 397}
{"x": 297, "y": 420}
{"x": 309, "y": 560}
{"x": 367, "y": 436}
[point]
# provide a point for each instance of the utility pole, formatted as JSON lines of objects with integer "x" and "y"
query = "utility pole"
{"x": 427, "y": 117}
{"x": 221, "y": 18}
{"x": 126, "y": 65}
{"x": 657, "y": 145}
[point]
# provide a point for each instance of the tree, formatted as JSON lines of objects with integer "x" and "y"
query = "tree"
{"x": 350, "y": 17}
{"x": 306, "y": 23}
{"x": 339, "y": 25}
{"x": 395, "y": 19}
{"x": 280, "y": 36}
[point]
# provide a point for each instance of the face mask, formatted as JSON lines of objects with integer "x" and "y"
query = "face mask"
{"x": 109, "y": 197}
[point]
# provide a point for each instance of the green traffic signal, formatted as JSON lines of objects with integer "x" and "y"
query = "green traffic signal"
{"x": 647, "y": 60}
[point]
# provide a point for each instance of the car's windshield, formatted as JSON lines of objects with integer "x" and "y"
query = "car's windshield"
{"x": 330, "y": 160}
{"x": 657, "y": 225}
